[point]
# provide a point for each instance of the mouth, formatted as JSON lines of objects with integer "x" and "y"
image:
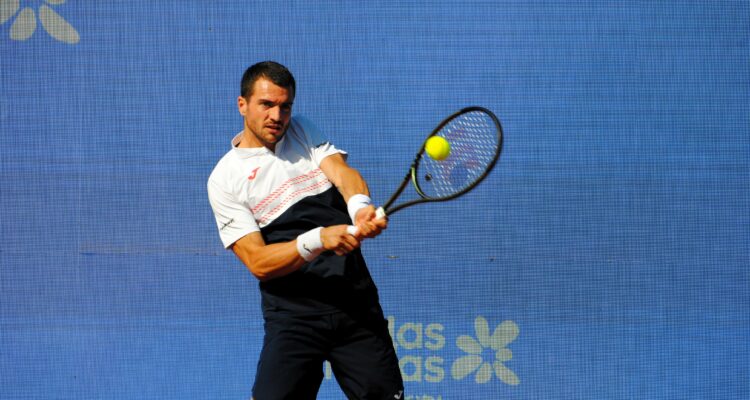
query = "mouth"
{"x": 274, "y": 129}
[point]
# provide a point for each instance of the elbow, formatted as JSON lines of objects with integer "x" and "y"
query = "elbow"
{"x": 265, "y": 264}
{"x": 259, "y": 273}
{"x": 254, "y": 265}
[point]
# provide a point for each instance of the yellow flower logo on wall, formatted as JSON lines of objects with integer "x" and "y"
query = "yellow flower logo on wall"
{"x": 24, "y": 24}
{"x": 483, "y": 366}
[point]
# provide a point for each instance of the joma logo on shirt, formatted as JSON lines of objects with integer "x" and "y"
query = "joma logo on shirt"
{"x": 253, "y": 173}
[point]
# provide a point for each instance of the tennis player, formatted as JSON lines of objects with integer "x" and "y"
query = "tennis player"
{"x": 292, "y": 210}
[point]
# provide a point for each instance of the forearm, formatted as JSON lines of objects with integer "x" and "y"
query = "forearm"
{"x": 347, "y": 180}
{"x": 270, "y": 261}
{"x": 357, "y": 196}
{"x": 350, "y": 182}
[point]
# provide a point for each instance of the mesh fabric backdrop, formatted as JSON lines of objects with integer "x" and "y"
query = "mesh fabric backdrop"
{"x": 612, "y": 236}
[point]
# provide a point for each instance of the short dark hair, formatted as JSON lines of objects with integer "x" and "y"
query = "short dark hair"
{"x": 273, "y": 71}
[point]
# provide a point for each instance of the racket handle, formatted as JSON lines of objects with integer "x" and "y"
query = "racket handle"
{"x": 352, "y": 230}
{"x": 380, "y": 213}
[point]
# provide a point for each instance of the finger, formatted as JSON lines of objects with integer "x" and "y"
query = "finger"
{"x": 345, "y": 247}
{"x": 351, "y": 241}
{"x": 379, "y": 224}
{"x": 375, "y": 228}
{"x": 365, "y": 229}
{"x": 346, "y": 244}
{"x": 365, "y": 214}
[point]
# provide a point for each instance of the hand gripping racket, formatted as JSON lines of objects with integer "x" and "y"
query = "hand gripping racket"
{"x": 475, "y": 137}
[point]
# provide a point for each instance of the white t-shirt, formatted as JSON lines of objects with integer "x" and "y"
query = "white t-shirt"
{"x": 250, "y": 187}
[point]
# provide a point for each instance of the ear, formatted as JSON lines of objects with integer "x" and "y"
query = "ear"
{"x": 242, "y": 105}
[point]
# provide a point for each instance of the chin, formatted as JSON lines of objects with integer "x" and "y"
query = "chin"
{"x": 279, "y": 134}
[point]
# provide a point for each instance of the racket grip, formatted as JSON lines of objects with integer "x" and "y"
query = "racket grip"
{"x": 380, "y": 213}
{"x": 352, "y": 230}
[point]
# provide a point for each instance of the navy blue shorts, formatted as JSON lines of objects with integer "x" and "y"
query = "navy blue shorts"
{"x": 360, "y": 351}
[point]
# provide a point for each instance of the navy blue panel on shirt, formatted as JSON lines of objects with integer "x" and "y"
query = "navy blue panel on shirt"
{"x": 330, "y": 282}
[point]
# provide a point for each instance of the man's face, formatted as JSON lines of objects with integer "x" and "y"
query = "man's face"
{"x": 267, "y": 113}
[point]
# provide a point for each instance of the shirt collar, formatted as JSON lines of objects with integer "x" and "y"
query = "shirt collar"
{"x": 247, "y": 152}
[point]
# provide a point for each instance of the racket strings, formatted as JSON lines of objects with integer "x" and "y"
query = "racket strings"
{"x": 474, "y": 142}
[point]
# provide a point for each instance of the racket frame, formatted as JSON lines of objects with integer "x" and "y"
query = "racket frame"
{"x": 412, "y": 174}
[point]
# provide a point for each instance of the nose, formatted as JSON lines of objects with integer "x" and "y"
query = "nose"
{"x": 274, "y": 113}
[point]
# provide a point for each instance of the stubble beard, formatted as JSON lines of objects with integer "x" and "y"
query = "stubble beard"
{"x": 270, "y": 140}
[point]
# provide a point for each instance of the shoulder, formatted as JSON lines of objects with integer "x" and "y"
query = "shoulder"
{"x": 224, "y": 168}
{"x": 304, "y": 129}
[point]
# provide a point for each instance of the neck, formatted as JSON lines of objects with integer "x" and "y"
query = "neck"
{"x": 248, "y": 141}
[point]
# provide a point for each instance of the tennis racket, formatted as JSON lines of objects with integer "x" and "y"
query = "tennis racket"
{"x": 476, "y": 140}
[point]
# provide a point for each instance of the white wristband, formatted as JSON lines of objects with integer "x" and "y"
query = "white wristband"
{"x": 356, "y": 203}
{"x": 309, "y": 244}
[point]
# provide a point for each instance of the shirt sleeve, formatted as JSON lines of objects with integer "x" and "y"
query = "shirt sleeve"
{"x": 233, "y": 219}
{"x": 319, "y": 145}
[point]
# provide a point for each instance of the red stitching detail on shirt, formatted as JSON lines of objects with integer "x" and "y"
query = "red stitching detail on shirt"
{"x": 291, "y": 197}
{"x": 284, "y": 187}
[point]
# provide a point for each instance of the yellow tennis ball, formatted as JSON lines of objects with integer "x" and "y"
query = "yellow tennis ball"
{"x": 438, "y": 148}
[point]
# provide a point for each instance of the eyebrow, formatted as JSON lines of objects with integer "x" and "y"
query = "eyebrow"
{"x": 269, "y": 101}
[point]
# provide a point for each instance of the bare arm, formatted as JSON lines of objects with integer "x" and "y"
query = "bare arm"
{"x": 349, "y": 182}
{"x": 346, "y": 179}
{"x": 268, "y": 261}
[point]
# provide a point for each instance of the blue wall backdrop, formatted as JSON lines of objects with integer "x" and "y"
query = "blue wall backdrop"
{"x": 606, "y": 257}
